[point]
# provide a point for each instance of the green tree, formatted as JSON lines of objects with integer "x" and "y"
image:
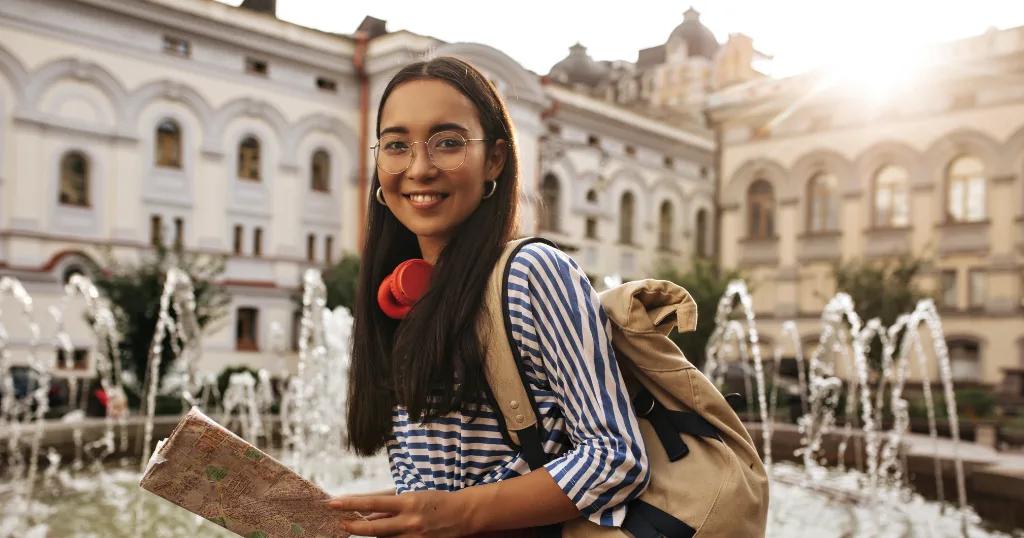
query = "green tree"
{"x": 881, "y": 289}
{"x": 706, "y": 282}
{"x": 340, "y": 280}
{"x": 134, "y": 291}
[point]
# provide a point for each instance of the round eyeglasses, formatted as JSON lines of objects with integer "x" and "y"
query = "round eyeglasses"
{"x": 393, "y": 153}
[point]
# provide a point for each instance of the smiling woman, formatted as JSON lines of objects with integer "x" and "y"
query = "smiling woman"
{"x": 443, "y": 208}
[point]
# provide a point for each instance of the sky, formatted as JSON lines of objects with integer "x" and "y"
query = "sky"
{"x": 797, "y": 34}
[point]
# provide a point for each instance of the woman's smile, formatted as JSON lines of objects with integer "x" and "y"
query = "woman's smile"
{"x": 425, "y": 200}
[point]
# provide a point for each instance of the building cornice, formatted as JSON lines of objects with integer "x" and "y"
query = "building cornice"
{"x": 624, "y": 123}
{"x": 253, "y": 31}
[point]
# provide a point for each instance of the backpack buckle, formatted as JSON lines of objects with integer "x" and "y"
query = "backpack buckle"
{"x": 644, "y": 403}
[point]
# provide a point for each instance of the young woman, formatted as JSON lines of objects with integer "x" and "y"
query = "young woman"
{"x": 446, "y": 190}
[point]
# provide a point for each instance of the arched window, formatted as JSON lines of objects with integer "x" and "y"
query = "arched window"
{"x": 320, "y": 171}
{"x": 550, "y": 194}
{"x": 627, "y": 207}
{"x": 702, "y": 233}
{"x": 167, "y": 152}
{"x": 965, "y": 195}
{"x": 761, "y": 210}
{"x": 249, "y": 158}
{"x": 666, "y": 217}
{"x": 823, "y": 199}
{"x": 74, "y": 179}
{"x": 891, "y": 204}
{"x": 965, "y": 360}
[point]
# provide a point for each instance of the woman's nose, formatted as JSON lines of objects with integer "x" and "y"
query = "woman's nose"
{"x": 421, "y": 165}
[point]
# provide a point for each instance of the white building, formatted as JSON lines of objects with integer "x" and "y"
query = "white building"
{"x": 235, "y": 133}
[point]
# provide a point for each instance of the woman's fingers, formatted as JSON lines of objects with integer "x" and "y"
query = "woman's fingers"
{"x": 389, "y": 526}
{"x": 368, "y": 504}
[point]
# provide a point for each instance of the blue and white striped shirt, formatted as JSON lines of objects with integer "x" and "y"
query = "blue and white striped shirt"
{"x": 564, "y": 339}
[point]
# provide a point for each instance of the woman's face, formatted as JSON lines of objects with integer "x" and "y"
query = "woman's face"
{"x": 414, "y": 111}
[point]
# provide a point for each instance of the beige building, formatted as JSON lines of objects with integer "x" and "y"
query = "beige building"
{"x": 816, "y": 171}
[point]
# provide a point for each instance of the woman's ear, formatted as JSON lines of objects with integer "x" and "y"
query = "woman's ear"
{"x": 496, "y": 159}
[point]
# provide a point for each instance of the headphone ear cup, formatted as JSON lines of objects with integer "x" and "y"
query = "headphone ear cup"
{"x": 411, "y": 280}
{"x": 388, "y": 302}
{"x": 394, "y": 285}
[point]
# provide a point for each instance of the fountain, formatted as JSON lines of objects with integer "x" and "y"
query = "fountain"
{"x": 874, "y": 496}
{"x": 845, "y": 409}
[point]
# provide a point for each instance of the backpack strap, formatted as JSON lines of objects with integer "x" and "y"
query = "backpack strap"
{"x": 504, "y": 366}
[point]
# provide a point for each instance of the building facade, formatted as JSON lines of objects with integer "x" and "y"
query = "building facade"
{"x": 815, "y": 171}
{"x": 231, "y": 132}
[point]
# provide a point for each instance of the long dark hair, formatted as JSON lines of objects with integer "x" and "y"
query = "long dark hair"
{"x": 431, "y": 362}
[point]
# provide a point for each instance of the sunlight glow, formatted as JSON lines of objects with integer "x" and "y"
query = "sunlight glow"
{"x": 878, "y": 75}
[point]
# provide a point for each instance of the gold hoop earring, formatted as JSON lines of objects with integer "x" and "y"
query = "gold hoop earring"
{"x": 380, "y": 197}
{"x": 494, "y": 188}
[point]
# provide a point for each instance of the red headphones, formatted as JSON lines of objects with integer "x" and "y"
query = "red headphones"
{"x": 400, "y": 290}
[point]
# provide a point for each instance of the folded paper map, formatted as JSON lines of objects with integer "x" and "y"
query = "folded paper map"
{"x": 208, "y": 470}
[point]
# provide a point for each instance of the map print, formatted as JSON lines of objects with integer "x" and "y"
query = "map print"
{"x": 208, "y": 470}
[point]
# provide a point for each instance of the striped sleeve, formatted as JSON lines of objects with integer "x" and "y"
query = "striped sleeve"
{"x": 552, "y": 301}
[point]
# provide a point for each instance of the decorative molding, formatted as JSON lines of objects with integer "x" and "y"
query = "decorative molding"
{"x": 965, "y": 237}
{"x": 125, "y": 234}
{"x": 24, "y": 224}
{"x": 63, "y": 125}
{"x": 789, "y": 202}
{"x": 824, "y": 246}
{"x": 759, "y": 251}
{"x": 885, "y": 242}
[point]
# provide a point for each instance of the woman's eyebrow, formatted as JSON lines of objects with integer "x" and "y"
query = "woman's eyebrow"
{"x": 447, "y": 126}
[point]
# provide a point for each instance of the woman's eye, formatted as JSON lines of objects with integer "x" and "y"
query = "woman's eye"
{"x": 395, "y": 146}
{"x": 449, "y": 143}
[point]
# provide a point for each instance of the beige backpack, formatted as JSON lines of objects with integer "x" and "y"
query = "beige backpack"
{"x": 707, "y": 479}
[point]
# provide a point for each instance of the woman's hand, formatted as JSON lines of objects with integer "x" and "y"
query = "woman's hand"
{"x": 419, "y": 514}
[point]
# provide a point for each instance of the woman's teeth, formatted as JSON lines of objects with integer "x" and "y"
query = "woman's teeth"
{"x": 422, "y": 198}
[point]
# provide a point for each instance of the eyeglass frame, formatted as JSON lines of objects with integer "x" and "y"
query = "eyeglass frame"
{"x": 412, "y": 157}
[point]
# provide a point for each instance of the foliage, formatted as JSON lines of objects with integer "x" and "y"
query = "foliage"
{"x": 341, "y": 280}
{"x": 882, "y": 289}
{"x": 134, "y": 290}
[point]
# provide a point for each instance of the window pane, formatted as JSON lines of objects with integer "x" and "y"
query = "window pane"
{"x": 976, "y": 199}
{"x": 168, "y": 144}
{"x": 249, "y": 158}
{"x": 550, "y": 200}
{"x": 320, "y": 170}
{"x": 665, "y": 226}
{"x": 824, "y": 206}
{"x": 246, "y": 329}
{"x": 702, "y": 217}
{"x": 900, "y": 208}
{"x": 977, "y": 288}
{"x": 761, "y": 209}
{"x": 74, "y": 180}
{"x": 626, "y": 216}
{"x": 947, "y": 289}
{"x": 956, "y": 200}
{"x": 966, "y": 190}
{"x": 965, "y": 361}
